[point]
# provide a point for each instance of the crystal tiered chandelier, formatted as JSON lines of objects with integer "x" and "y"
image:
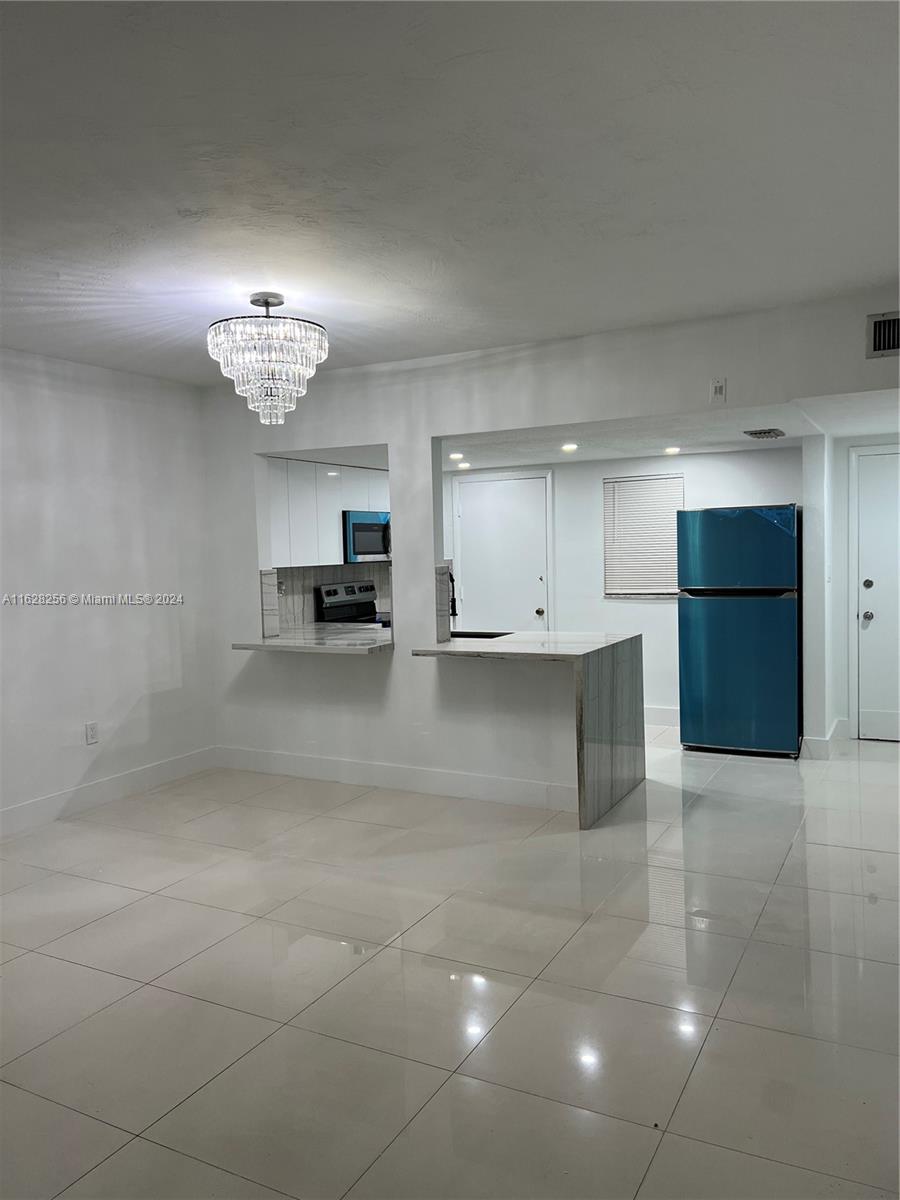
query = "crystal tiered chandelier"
{"x": 269, "y": 358}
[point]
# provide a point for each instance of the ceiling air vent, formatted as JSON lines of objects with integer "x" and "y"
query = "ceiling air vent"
{"x": 883, "y": 335}
{"x": 764, "y": 435}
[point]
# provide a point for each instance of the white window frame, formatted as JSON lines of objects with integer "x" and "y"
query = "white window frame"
{"x": 613, "y": 479}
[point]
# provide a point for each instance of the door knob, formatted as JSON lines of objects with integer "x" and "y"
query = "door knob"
{"x": 538, "y": 612}
{"x": 867, "y": 583}
{"x": 868, "y": 615}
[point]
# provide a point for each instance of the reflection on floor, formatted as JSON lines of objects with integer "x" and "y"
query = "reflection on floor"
{"x": 243, "y": 985}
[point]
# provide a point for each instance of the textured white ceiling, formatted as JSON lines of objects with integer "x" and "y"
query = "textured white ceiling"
{"x": 702, "y": 432}
{"x": 425, "y": 178}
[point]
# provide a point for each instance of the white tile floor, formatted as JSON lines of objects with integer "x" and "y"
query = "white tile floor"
{"x": 243, "y": 985}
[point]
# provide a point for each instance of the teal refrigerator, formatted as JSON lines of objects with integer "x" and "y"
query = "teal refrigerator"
{"x": 739, "y": 636}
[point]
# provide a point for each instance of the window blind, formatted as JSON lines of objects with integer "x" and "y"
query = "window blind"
{"x": 639, "y": 537}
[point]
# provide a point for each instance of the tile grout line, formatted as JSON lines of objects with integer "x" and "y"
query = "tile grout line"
{"x": 257, "y": 917}
{"x": 719, "y": 1009}
{"x": 72, "y": 1182}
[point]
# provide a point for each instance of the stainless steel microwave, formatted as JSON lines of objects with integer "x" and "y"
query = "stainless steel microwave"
{"x": 367, "y": 536}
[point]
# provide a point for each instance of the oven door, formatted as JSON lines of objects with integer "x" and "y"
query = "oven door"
{"x": 367, "y": 536}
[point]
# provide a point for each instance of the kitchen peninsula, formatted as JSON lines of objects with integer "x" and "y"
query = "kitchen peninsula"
{"x": 609, "y": 703}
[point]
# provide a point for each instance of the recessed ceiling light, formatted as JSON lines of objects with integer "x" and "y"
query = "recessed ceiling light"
{"x": 463, "y": 466}
{"x": 456, "y": 456}
{"x": 569, "y": 447}
{"x": 673, "y": 450}
{"x": 334, "y": 472}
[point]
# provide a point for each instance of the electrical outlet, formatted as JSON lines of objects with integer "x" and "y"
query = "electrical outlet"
{"x": 91, "y": 733}
{"x": 718, "y": 389}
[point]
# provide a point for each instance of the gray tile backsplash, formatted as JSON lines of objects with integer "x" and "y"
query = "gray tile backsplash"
{"x": 296, "y": 605}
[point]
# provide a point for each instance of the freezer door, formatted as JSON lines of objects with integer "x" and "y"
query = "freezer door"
{"x": 739, "y": 670}
{"x": 738, "y": 547}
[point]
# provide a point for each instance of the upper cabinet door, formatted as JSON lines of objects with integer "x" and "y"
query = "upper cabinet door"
{"x": 355, "y": 488}
{"x": 279, "y": 518}
{"x": 328, "y": 501}
{"x": 304, "y": 513}
{"x": 379, "y": 493}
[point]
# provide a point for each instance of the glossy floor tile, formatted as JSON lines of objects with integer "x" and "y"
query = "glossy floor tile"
{"x": 483, "y": 820}
{"x": 627, "y": 840}
{"x": 830, "y": 996}
{"x": 536, "y": 871}
{"x": 152, "y": 813}
{"x": 239, "y": 826}
{"x": 61, "y": 845}
{"x": 861, "y": 926}
{"x": 654, "y": 801}
{"x": 303, "y": 1114}
{"x": 250, "y": 883}
{"x": 842, "y": 869}
{"x": 35, "y": 914}
{"x": 740, "y": 854}
{"x": 563, "y": 822}
{"x": 146, "y": 861}
{"x": 476, "y": 1141}
{"x": 429, "y": 1009}
{"x": 387, "y": 806}
{"x": 131, "y": 1062}
{"x": 40, "y": 997}
{"x": 400, "y": 995}
{"x": 615, "y": 1056}
{"x": 685, "y": 1169}
{"x": 858, "y": 830}
{"x": 327, "y": 840}
{"x": 147, "y": 938}
{"x": 15, "y": 875}
{"x": 709, "y": 903}
{"x": 306, "y": 797}
{"x": 809, "y": 1103}
{"x": 144, "y": 1171}
{"x": 29, "y": 1126}
{"x": 360, "y": 908}
{"x": 269, "y": 968}
{"x": 680, "y": 968}
{"x": 493, "y": 933}
{"x": 228, "y": 787}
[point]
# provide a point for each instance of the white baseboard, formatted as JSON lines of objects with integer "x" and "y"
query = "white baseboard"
{"x": 818, "y": 747}
{"x": 654, "y": 715}
{"x": 19, "y": 818}
{"x": 531, "y": 792}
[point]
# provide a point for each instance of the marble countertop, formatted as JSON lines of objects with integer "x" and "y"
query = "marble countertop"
{"x": 326, "y": 638}
{"x": 543, "y": 647}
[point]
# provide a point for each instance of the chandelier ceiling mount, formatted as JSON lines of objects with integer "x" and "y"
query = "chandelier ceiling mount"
{"x": 271, "y": 359}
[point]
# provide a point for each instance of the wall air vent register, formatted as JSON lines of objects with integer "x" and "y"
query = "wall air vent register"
{"x": 883, "y": 335}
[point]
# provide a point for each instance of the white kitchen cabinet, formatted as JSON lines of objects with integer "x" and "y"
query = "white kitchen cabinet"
{"x": 329, "y": 507}
{"x": 279, "y": 520}
{"x": 306, "y": 505}
{"x": 303, "y": 513}
{"x": 355, "y": 488}
{"x": 379, "y": 493}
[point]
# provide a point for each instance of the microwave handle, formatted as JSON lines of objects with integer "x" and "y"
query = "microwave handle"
{"x": 386, "y": 538}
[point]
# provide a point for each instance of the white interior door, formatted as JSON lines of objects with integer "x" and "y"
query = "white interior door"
{"x": 500, "y": 553}
{"x": 878, "y": 619}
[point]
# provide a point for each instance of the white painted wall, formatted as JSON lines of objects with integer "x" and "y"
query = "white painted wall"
{"x": 472, "y": 728}
{"x": 103, "y": 491}
{"x": 771, "y": 476}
